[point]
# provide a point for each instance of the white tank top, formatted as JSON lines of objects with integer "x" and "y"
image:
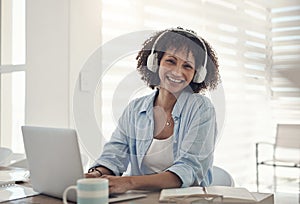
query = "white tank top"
{"x": 159, "y": 155}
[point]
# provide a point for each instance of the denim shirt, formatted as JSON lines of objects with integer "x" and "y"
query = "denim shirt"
{"x": 195, "y": 132}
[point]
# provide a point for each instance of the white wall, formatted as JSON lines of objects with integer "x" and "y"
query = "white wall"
{"x": 85, "y": 38}
{"x": 47, "y": 75}
{"x": 60, "y": 35}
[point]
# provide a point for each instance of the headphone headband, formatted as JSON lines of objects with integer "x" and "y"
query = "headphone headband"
{"x": 152, "y": 61}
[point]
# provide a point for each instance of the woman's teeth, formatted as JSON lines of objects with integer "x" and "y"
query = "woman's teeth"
{"x": 174, "y": 80}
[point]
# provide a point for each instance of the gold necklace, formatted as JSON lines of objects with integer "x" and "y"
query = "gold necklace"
{"x": 169, "y": 122}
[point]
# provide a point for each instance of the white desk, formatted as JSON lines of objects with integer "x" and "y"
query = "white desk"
{"x": 152, "y": 198}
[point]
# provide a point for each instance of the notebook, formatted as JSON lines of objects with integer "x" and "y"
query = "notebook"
{"x": 54, "y": 161}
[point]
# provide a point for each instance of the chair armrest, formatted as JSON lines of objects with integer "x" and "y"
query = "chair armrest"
{"x": 263, "y": 143}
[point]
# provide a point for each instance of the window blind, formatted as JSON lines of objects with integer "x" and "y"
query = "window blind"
{"x": 285, "y": 85}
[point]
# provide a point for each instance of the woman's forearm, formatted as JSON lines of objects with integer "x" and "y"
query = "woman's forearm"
{"x": 156, "y": 181}
{"x": 121, "y": 184}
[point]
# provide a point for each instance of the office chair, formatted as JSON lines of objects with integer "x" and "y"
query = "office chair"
{"x": 221, "y": 177}
{"x": 288, "y": 138}
{"x": 5, "y": 155}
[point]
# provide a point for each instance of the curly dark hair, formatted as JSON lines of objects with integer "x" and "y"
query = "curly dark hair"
{"x": 177, "y": 39}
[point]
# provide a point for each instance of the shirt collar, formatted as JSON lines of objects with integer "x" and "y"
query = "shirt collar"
{"x": 183, "y": 97}
{"x": 181, "y": 100}
{"x": 148, "y": 102}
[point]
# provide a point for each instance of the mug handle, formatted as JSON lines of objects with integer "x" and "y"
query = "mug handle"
{"x": 66, "y": 192}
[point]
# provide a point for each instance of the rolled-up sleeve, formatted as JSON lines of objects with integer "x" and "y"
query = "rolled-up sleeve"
{"x": 115, "y": 155}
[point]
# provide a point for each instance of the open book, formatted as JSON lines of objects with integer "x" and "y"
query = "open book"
{"x": 230, "y": 194}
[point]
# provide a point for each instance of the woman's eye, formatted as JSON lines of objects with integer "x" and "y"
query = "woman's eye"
{"x": 171, "y": 61}
{"x": 187, "y": 66}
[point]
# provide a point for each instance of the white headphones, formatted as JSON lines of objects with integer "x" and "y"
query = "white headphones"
{"x": 152, "y": 60}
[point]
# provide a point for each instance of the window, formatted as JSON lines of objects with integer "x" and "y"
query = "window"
{"x": 12, "y": 73}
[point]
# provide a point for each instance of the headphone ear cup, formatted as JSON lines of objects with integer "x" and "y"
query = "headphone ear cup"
{"x": 200, "y": 76}
{"x": 152, "y": 62}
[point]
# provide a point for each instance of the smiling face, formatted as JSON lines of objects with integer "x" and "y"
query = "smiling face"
{"x": 177, "y": 69}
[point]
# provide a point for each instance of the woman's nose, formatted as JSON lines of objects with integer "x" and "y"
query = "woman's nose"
{"x": 177, "y": 69}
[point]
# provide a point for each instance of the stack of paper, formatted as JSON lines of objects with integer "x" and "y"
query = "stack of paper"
{"x": 15, "y": 191}
{"x": 11, "y": 191}
{"x": 13, "y": 174}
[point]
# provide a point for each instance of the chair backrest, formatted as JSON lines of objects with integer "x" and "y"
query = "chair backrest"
{"x": 221, "y": 177}
{"x": 5, "y": 154}
{"x": 288, "y": 136}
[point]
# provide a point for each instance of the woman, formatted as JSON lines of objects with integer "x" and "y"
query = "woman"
{"x": 166, "y": 139}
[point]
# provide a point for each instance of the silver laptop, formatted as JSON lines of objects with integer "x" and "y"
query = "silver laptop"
{"x": 54, "y": 161}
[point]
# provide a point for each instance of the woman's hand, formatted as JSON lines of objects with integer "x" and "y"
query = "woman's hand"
{"x": 119, "y": 184}
{"x": 96, "y": 172}
{"x": 93, "y": 174}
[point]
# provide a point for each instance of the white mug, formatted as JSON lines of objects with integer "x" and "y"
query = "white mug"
{"x": 89, "y": 191}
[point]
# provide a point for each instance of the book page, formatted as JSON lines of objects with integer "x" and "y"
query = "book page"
{"x": 174, "y": 192}
{"x": 232, "y": 193}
